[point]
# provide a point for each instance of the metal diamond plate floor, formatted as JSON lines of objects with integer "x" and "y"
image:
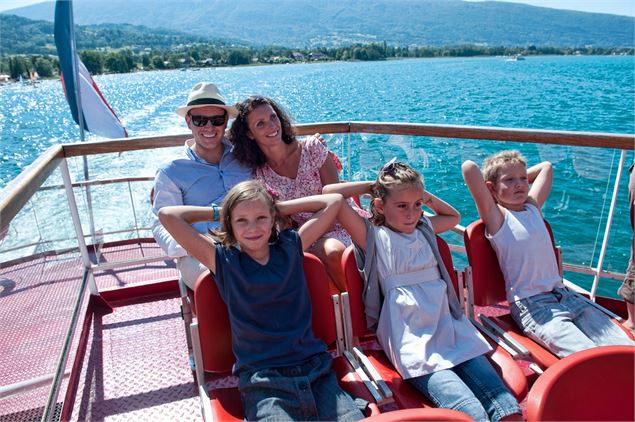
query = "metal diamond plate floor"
{"x": 136, "y": 367}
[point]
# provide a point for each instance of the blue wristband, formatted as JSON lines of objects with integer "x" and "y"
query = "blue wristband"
{"x": 215, "y": 213}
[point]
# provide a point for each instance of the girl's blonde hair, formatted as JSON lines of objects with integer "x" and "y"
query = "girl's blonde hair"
{"x": 494, "y": 163}
{"x": 390, "y": 176}
{"x": 249, "y": 190}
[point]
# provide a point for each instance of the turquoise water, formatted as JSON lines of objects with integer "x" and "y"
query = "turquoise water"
{"x": 566, "y": 93}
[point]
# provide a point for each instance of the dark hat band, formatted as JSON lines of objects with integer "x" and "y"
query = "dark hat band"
{"x": 201, "y": 101}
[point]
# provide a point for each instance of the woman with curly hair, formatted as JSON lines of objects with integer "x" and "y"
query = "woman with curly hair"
{"x": 264, "y": 140}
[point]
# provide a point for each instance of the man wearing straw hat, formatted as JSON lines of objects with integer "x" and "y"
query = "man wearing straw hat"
{"x": 201, "y": 175}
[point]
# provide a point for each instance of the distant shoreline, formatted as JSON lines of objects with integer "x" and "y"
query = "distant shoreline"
{"x": 510, "y": 57}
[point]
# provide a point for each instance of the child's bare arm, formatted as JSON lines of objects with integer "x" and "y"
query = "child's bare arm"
{"x": 348, "y": 189}
{"x": 487, "y": 208}
{"x": 325, "y": 209}
{"x": 446, "y": 216}
{"x": 352, "y": 222}
{"x": 178, "y": 219}
{"x": 541, "y": 178}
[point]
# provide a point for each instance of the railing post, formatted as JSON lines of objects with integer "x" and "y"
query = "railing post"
{"x": 607, "y": 228}
{"x": 47, "y": 414}
{"x": 134, "y": 214}
{"x": 77, "y": 224}
{"x": 350, "y": 166}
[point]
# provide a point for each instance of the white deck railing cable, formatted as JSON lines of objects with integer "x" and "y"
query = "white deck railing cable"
{"x": 607, "y": 227}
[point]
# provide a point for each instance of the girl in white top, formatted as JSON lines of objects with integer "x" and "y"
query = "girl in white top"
{"x": 409, "y": 298}
{"x": 554, "y": 317}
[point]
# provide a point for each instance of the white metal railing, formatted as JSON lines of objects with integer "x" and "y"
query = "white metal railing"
{"x": 41, "y": 243}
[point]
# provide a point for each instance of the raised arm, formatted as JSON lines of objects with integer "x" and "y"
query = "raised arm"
{"x": 348, "y": 189}
{"x": 178, "y": 219}
{"x": 541, "y": 178}
{"x": 328, "y": 172}
{"x": 487, "y": 208}
{"x": 165, "y": 193}
{"x": 446, "y": 216}
{"x": 325, "y": 209}
{"x": 349, "y": 218}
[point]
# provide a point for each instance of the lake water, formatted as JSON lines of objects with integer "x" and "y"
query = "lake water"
{"x": 564, "y": 93}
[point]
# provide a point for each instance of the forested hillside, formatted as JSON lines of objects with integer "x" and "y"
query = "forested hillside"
{"x": 333, "y": 23}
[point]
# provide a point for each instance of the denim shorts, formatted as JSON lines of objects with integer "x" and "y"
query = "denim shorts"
{"x": 306, "y": 392}
{"x": 472, "y": 387}
{"x": 565, "y": 323}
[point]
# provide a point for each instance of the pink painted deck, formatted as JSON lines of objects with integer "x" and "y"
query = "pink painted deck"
{"x": 135, "y": 363}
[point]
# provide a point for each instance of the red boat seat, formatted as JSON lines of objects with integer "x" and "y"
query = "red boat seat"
{"x": 592, "y": 385}
{"x": 488, "y": 288}
{"x": 429, "y": 414}
{"x": 211, "y": 336}
{"x": 404, "y": 394}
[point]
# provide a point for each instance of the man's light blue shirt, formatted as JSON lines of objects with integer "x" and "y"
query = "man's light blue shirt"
{"x": 190, "y": 180}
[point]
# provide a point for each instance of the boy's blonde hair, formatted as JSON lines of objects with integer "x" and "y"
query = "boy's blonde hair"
{"x": 390, "y": 176}
{"x": 249, "y": 190}
{"x": 494, "y": 163}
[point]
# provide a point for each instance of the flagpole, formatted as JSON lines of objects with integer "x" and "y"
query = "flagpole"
{"x": 80, "y": 116}
{"x": 78, "y": 91}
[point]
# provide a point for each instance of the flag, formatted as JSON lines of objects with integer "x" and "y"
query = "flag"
{"x": 96, "y": 114}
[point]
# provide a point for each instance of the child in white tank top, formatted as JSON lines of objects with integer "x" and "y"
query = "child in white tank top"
{"x": 509, "y": 197}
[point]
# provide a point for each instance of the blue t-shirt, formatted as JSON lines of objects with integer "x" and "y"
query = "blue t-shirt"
{"x": 269, "y": 305}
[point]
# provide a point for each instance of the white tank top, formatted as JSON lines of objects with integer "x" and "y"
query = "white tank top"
{"x": 525, "y": 254}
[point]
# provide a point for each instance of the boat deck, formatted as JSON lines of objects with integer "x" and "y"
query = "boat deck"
{"x": 136, "y": 366}
{"x": 134, "y": 360}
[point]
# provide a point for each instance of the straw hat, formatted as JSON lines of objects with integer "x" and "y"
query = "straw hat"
{"x": 205, "y": 94}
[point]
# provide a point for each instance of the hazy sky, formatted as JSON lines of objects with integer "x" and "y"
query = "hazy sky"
{"x": 617, "y": 7}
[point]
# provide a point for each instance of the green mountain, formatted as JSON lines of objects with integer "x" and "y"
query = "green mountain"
{"x": 20, "y": 35}
{"x": 309, "y": 23}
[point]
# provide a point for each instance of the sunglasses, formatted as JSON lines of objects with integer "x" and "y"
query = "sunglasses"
{"x": 200, "y": 121}
{"x": 389, "y": 166}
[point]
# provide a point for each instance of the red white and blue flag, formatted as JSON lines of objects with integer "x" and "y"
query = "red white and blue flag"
{"x": 97, "y": 115}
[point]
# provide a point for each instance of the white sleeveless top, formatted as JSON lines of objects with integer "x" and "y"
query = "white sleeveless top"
{"x": 525, "y": 254}
{"x": 416, "y": 329}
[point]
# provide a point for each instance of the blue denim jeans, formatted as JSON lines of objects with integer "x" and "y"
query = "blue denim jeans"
{"x": 306, "y": 392}
{"x": 564, "y": 323}
{"x": 472, "y": 387}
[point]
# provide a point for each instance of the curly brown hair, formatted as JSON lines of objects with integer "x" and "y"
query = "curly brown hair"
{"x": 390, "y": 176}
{"x": 246, "y": 150}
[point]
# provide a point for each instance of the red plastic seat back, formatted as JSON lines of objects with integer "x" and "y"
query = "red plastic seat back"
{"x": 488, "y": 281}
{"x": 213, "y": 326}
{"x": 213, "y": 320}
{"x": 323, "y": 323}
{"x": 595, "y": 384}
{"x": 355, "y": 284}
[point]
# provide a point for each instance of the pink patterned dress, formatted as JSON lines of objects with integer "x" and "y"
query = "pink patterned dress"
{"x": 307, "y": 182}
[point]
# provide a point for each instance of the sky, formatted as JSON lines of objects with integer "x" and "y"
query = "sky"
{"x": 616, "y": 7}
